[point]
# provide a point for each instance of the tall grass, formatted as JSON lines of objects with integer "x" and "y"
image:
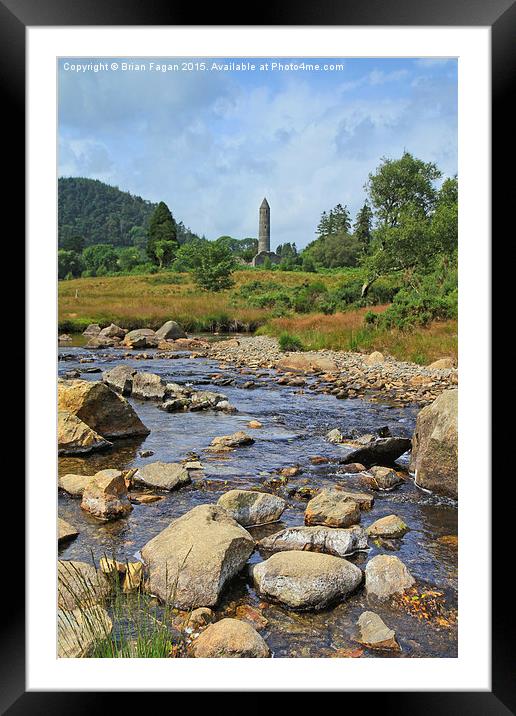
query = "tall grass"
{"x": 142, "y": 626}
{"x": 347, "y": 331}
{"x": 146, "y": 301}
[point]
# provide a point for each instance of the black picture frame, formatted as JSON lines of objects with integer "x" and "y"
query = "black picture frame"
{"x": 500, "y": 16}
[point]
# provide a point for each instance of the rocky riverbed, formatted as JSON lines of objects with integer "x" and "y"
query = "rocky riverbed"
{"x": 287, "y": 412}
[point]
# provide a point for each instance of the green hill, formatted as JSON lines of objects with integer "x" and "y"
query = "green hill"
{"x": 103, "y": 214}
{"x": 100, "y": 213}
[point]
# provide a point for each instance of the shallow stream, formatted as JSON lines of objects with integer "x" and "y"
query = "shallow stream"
{"x": 295, "y": 422}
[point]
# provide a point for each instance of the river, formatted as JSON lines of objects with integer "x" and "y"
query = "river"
{"x": 295, "y": 422}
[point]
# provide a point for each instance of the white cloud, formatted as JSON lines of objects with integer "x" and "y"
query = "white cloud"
{"x": 212, "y": 148}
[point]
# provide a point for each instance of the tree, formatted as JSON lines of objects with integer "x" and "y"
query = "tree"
{"x": 214, "y": 265}
{"x": 363, "y": 227}
{"x": 336, "y": 222}
{"x": 68, "y": 264}
{"x": 445, "y": 218}
{"x": 334, "y": 251}
{"x": 72, "y": 242}
{"x": 129, "y": 257}
{"x": 165, "y": 252}
{"x": 162, "y": 227}
{"x": 400, "y": 182}
{"x": 187, "y": 256}
{"x": 404, "y": 196}
{"x": 100, "y": 259}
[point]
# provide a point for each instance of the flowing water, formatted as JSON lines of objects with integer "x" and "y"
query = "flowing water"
{"x": 295, "y": 422}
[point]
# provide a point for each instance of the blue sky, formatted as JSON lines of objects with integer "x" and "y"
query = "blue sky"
{"x": 212, "y": 143}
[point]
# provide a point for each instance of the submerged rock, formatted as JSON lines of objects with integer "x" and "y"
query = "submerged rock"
{"x": 238, "y": 439}
{"x": 382, "y": 478}
{"x": 170, "y": 331}
{"x": 330, "y": 540}
{"x": 230, "y": 638}
{"x": 380, "y": 451}
{"x": 79, "y": 630}
{"x": 375, "y": 634}
{"x": 434, "y": 457}
{"x": 74, "y": 437}
{"x": 249, "y": 507}
{"x": 386, "y": 575}
{"x": 192, "y": 560}
{"x": 105, "y": 496}
{"x": 332, "y": 508}
{"x": 65, "y": 530}
{"x": 80, "y": 585}
{"x": 305, "y": 580}
{"x": 389, "y": 526}
{"x": 335, "y": 436}
{"x": 103, "y": 410}
{"x": 163, "y": 475}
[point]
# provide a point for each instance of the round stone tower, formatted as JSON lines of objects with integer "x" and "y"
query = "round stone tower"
{"x": 264, "y": 229}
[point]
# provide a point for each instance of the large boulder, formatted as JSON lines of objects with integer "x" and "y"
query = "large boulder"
{"x": 330, "y": 540}
{"x": 163, "y": 475}
{"x": 374, "y": 358}
{"x": 363, "y": 499}
{"x": 102, "y": 342}
{"x": 112, "y": 331}
{"x": 375, "y": 634}
{"x": 65, "y": 531}
{"x": 435, "y": 445}
{"x": 192, "y": 560}
{"x": 105, "y": 496}
{"x": 230, "y": 638}
{"x": 333, "y": 509}
{"x": 119, "y": 379}
{"x": 79, "y": 585}
{"x": 442, "y": 364}
{"x": 386, "y": 575}
{"x": 92, "y": 330}
{"x": 170, "y": 331}
{"x": 75, "y": 437}
{"x": 100, "y": 408}
{"x": 305, "y": 580}
{"x": 74, "y": 484}
{"x": 250, "y": 508}
{"x": 79, "y": 630}
{"x": 148, "y": 386}
{"x": 382, "y": 451}
{"x": 141, "y": 338}
{"x": 306, "y": 362}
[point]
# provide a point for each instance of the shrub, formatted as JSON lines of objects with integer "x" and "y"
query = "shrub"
{"x": 288, "y": 342}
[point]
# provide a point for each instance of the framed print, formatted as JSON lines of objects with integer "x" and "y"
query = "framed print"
{"x": 265, "y": 249}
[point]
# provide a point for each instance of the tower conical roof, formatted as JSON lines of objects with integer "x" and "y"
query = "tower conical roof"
{"x": 264, "y": 203}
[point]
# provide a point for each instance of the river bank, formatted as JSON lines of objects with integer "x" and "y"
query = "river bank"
{"x": 343, "y": 374}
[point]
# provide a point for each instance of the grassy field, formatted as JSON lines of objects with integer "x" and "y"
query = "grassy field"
{"x": 346, "y": 331}
{"x": 149, "y": 300}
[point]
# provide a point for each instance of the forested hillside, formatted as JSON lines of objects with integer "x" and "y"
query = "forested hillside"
{"x": 101, "y": 214}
